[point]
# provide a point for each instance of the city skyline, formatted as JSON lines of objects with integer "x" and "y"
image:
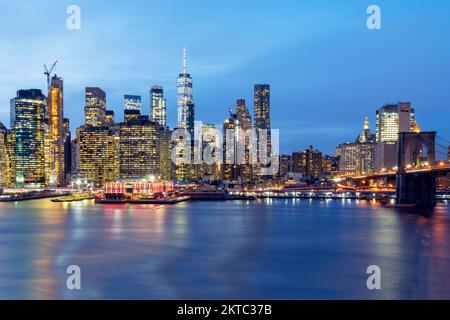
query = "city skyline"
{"x": 316, "y": 71}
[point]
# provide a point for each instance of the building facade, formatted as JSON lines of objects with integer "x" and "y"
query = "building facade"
{"x": 5, "y": 159}
{"x": 29, "y": 138}
{"x": 99, "y": 156}
{"x": 139, "y": 148}
{"x": 185, "y": 100}
{"x": 390, "y": 121}
{"x": 132, "y": 102}
{"x": 158, "y": 106}
{"x": 56, "y": 132}
{"x": 308, "y": 163}
{"x": 166, "y": 166}
{"x": 358, "y": 157}
{"x": 245, "y": 126}
{"x": 262, "y": 122}
{"x": 95, "y": 107}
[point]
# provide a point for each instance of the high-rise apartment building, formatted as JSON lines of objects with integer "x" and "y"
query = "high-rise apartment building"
{"x": 158, "y": 106}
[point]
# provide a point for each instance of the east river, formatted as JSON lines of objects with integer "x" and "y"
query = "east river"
{"x": 263, "y": 249}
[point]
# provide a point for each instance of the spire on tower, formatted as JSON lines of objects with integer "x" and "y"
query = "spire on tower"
{"x": 366, "y": 124}
{"x": 184, "y": 60}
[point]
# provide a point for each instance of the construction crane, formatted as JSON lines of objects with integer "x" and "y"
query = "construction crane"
{"x": 48, "y": 73}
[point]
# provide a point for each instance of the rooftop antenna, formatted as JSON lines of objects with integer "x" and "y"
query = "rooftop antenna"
{"x": 184, "y": 60}
{"x": 48, "y": 73}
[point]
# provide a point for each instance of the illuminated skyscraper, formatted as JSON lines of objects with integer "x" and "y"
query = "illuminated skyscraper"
{"x": 139, "y": 148}
{"x": 166, "y": 166}
{"x": 67, "y": 148}
{"x": 132, "y": 102}
{"x": 185, "y": 102}
{"x": 5, "y": 166}
{"x": 390, "y": 120}
{"x": 245, "y": 125}
{"x": 230, "y": 168}
{"x": 56, "y": 132}
{"x": 262, "y": 121}
{"x": 95, "y": 107}
{"x": 29, "y": 138}
{"x": 99, "y": 156}
{"x": 158, "y": 106}
{"x": 185, "y": 121}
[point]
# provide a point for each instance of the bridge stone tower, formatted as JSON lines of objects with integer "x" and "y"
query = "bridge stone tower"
{"x": 413, "y": 149}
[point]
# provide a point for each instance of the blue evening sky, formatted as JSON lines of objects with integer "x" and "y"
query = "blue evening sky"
{"x": 326, "y": 69}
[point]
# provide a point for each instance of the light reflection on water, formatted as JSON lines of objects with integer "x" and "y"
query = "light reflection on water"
{"x": 270, "y": 248}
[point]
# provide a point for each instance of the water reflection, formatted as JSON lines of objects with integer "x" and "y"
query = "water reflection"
{"x": 270, "y": 248}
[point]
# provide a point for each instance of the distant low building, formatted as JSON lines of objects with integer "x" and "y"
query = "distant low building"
{"x": 308, "y": 163}
{"x": 358, "y": 157}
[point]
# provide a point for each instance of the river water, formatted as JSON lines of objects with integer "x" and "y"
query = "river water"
{"x": 264, "y": 249}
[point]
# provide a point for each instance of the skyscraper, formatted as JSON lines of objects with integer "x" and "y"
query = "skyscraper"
{"x": 185, "y": 102}
{"x": 185, "y": 121}
{"x": 95, "y": 107}
{"x": 230, "y": 168}
{"x": 158, "y": 106}
{"x": 56, "y": 132}
{"x": 390, "y": 120}
{"x": 139, "y": 149}
{"x": 29, "y": 138}
{"x": 245, "y": 125}
{"x": 67, "y": 149}
{"x": 132, "y": 102}
{"x": 166, "y": 166}
{"x": 99, "y": 156}
{"x": 5, "y": 168}
{"x": 262, "y": 121}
